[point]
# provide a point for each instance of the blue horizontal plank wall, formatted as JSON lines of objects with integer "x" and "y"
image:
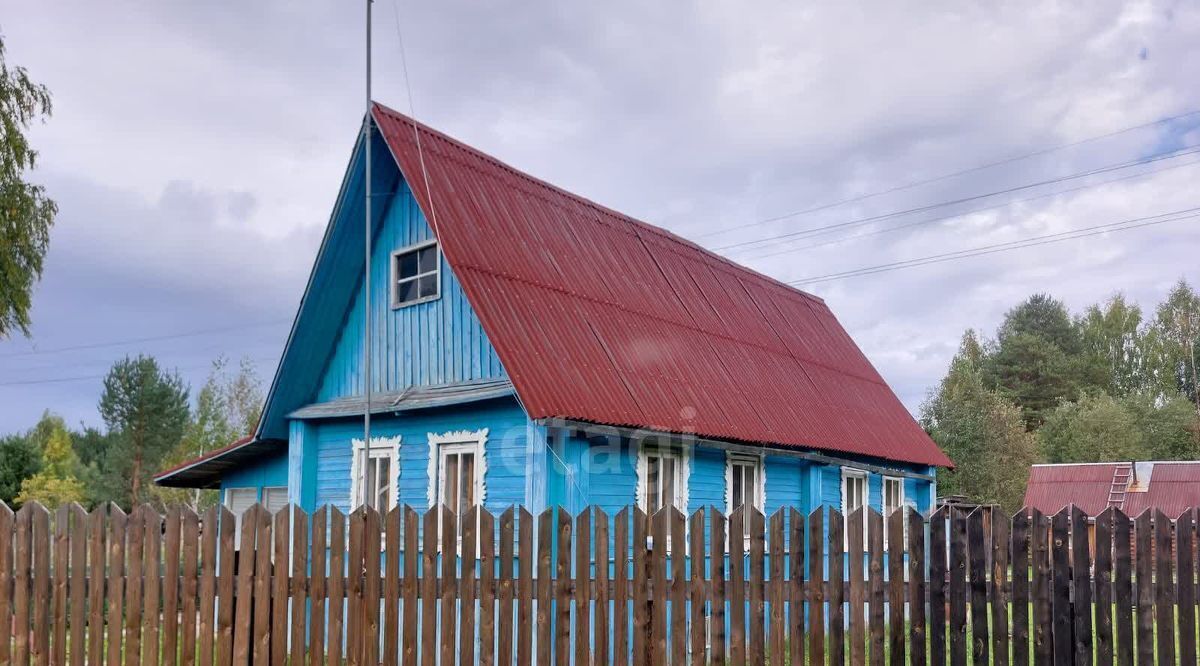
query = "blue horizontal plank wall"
{"x": 436, "y": 342}
{"x": 505, "y": 452}
{"x": 266, "y": 471}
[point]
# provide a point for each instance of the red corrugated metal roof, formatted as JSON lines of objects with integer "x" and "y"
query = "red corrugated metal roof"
{"x": 1173, "y": 487}
{"x": 599, "y": 317}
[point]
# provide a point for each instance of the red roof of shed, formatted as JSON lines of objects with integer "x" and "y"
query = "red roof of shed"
{"x": 1172, "y": 487}
{"x": 599, "y": 317}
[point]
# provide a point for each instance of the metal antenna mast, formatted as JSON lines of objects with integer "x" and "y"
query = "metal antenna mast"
{"x": 367, "y": 255}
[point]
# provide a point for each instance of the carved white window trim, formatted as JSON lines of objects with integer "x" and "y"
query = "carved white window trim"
{"x": 381, "y": 447}
{"x": 476, "y": 438}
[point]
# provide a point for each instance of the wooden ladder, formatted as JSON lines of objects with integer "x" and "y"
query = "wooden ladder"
{"x": 1120, "y": 482}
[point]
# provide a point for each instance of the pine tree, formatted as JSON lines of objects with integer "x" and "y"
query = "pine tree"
{"x": 146, "y": 410}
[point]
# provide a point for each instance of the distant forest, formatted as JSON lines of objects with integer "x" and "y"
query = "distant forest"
{"x": 1110, "y": 383}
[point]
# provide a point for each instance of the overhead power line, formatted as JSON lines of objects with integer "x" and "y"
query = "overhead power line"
{"x": 1084, "y": 232}
{"x": 943, "y": 218}
{"x": 153, "y": 338}
{"x": 81, "y": 378}
{"x": 953, "y": 174}
{"x": 1155, "y": 157}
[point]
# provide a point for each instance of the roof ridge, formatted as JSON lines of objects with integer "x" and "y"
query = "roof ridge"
{"x": 665, "y": 234}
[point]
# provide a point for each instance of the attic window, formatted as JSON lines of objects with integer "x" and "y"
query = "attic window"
{"x": 416, "y": 274}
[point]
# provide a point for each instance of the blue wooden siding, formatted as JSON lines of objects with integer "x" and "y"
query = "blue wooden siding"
{"x": 437, "y": 342}
{"x": 506, "y": 444}
{"x": 267, "y": 471}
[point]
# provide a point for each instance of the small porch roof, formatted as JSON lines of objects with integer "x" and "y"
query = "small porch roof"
{"x": 206, "y": 471}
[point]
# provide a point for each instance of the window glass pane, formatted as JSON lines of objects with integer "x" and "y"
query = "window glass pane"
{"x": 450, "y": 494}
{"x": 406, "y": 291}
{"x": 369, "y": 480}
{"x": 384, "y": 481}
{"x": 652, "y": 484}
{"x": 406, "y": 265}
{"x": 427, "y": 286}
{"x": 736, "y": 500}
{"x": 668, "y": 496}
{"x": 427, "y": 259}
{"x": 750, "y": 486}
{"x": 467, "y": 481}
{"x": 275, "y": 498}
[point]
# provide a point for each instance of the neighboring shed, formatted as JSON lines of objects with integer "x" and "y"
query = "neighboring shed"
{"x": 1132, "y": 487}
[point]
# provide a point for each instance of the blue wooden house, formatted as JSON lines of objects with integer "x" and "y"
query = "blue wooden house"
{"x": 529, "y": 346}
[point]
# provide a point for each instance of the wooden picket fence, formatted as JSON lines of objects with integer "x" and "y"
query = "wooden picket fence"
{"x": 955, "y": 587}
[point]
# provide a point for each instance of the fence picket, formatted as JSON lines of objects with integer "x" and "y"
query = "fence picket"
{"x": 1081, "y": 587}
{"x": 372, "y": 562}
{"x": 299, "y": 590}
{"x": 1144, "y": 529}
{"x": 562, "y": 579}
{"x": 1123, "y": 588}
{"x": 696, "y": 589}
{"x": 335, "y": 587}
{"x": 412, "y": 548}
{"x": 1103, "y": 587}
{"x": 96, "y": 592}
{"x": 61, "y": 554}
{"x": 1164, "y": 588}
{"x": 875, "y": 562}
{"x": 717, "y": 572}
{"x": 855, "y": 547}
{"x": 836, "y": 595}
{"x": 816, "y": 587}
{"x": 525, "y": 559}
{"x": 487, "y": 589}
{"x": 545, "y": 554}
{"x": 40, "y": 617}
{"x": 1061, "y": 586}
{"x": 429, "y": 578}
{"x": 755, "y": 638}
{"x": 796, "y": 591}
{"x": 279, "y": 587}
{"x": 261, "y": 647}
{"x": 1019, "y": 588}
{"x": 190, "y": 594}
{"x": 958, "y": 587}
{"x": 1040, "y": 552}
{"x": 999, "y": 590}
{"x": 354, "y": 590}
{"x": 22, "y": 566}
{"x": 582, "y": 630}
{"x": 977, "y": 584}
{"x": 775, "y": 587}
{"x": 226, "y": 584}
{"x": 916, "y": 583}
{"x": 318, "y": 590}
{"x": 171, "y": 584}
{"x": 601, "y": 621}
{"x": 1185, "y": 572}
{"x": 737, "y": 586}
{"x": 469, "y": 546}
{"x": 134, "y": 536}
{"x": 896, "y": 605}
{"x": 7, "y": 534}
{"x": 151, "y": 585}
{"x": 394, "y": 552}
{"x": 658, "y": 583}
{"x": 78, "y": 587}
{"x": 504, "y": 624}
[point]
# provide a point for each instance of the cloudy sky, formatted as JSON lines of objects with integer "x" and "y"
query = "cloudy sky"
{"x": 196, "y": 149}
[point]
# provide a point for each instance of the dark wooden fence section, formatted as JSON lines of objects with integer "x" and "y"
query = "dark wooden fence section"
{"x": 145, "y": 589}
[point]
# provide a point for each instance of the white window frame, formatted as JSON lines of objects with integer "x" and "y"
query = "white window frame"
{"x": 459, "y": 441}
{"x": 381, "y": 447}
{"x": 394, "y": 281}
{"x": 883, "y": 490}
{"x": 263, "y": 497}
{"x": 858, "y": 474}
{"x": 227, "y": 502}
{"x": 682, "y": 458}
{"x": 759, "y": 491}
